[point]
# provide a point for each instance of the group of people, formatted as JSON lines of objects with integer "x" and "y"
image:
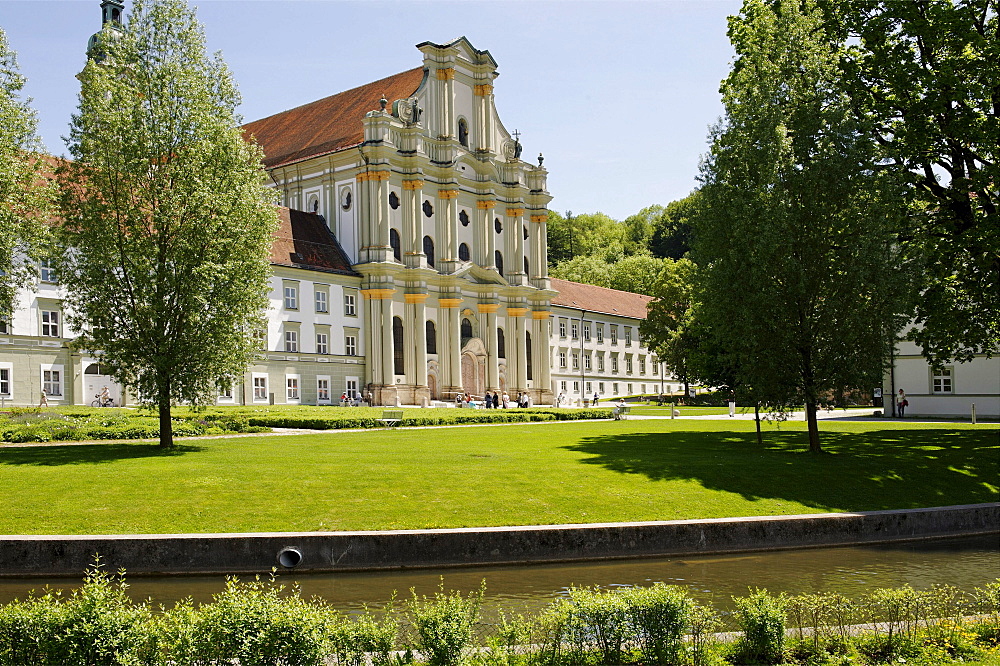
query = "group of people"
{"x": 496, "y": 400}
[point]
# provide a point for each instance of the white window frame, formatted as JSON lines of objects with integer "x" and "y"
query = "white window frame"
{"x": 350, "y": 304}
{"x": 576, "y": 361}
{"x": 323, "y": 384}
{"x": 629, "y": 388}
{"x": 52, "y": 377}
{"x": 351, "y": 387}
{"x": 291, "y": 294}
{"x": 261, "y": 392}
{"x": 600, "y": 333}
{"x": 562, "y": 360}
{"x": 46, "y": 273}
{"x": 292, "y": 341}
{"x": 576, "y": 387}
{"x": 322, "y": 343}
{"x": 586, "y": 362}
{"x": 941, "y": 377}
{"x": 562, "y": 385}
{"x": 574, "y": 331}
{"x": 628, "y": 336}
{"x": 614, "y": 335}
{"x": 293, "y": 391}
{"x": 6, "y": 382}
{"x": 350, "y": 344}
{"x": 562, "y": 328}
{"x": 586, "y": 331}
{"x": 614, "y": 388}
{"x": 614, "y": 364}
{"x": 600, "y": 364}
{"x": 322, "y": 300}
{"x": 628, "y": 365}
{"x": 600, "y": 387}
{"x": 50, "y": 323}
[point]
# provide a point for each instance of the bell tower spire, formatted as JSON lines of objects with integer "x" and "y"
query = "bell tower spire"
{"x": 112, "y": 12}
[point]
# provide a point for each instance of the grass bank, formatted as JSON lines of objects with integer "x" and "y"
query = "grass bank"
{"x": 577, "y": 472}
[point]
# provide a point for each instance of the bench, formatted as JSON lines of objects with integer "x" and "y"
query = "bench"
{"x": 621, "y": 413}
{"x": 391, "y": 417}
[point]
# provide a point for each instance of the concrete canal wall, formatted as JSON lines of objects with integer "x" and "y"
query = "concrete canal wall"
{"x": 357, "y": 551}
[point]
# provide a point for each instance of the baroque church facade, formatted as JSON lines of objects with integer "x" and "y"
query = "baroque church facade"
{"x": 427, "y": 195}
{"x": 409, "y": 263}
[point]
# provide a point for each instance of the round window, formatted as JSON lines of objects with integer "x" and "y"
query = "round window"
{"x": 497, "y": 225}
{"x": 346, "y": 199}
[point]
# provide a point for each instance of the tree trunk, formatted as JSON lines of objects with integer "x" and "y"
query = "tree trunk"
{"x": 814, "y": 446}
{"x": 756, "y": 417}
{"x": 166, "y": 425}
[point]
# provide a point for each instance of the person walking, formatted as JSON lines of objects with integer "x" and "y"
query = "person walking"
{"x": 496, "y": 400}
{"x": 901, "y": 403}
{"x": 596, "y": 398}
{"x": 506, "y": 400}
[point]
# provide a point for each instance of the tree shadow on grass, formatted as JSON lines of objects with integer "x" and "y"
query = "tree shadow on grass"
{"x": 885, "y": 469}
{"x": 87, "y": 454}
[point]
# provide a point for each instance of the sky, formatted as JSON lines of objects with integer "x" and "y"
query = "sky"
{"x": 618, "y": 95}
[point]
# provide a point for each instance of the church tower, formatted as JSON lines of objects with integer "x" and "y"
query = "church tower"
{"x": 112, "y": 12}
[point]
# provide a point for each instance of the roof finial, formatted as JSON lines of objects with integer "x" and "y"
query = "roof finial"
{"x": 382, "y": 102}
{"x": 540, "y": 159}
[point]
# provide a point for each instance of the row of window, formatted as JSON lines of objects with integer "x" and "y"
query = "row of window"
{"x": 464, "y": 254}
{"x": 575, "y": 360}
{"x": 574, "y": 331}
{"x": 321, "y": 299}
{"x": 52, "y": 382}
{"x": 322, "y": 343}
{"x": 589, "y": 388}
{"x": 324, "y": 388}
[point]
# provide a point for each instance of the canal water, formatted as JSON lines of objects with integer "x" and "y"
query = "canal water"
{"x": 965, "y": 562}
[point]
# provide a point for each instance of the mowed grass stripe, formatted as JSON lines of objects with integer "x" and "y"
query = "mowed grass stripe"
{"x": 479, "y": 476}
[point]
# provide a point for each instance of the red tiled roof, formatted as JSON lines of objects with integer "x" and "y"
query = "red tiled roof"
{"x": 303, "y": 240}
{"x": 600, "y": 299}
{"x": 328, "y": 124}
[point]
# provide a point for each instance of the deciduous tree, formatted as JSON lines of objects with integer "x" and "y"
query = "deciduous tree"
{"x": 795, "y": 242}
{"x": 167, "y": 220}
{"x": 25, "y": 187}
{"x": 926, "y": 74}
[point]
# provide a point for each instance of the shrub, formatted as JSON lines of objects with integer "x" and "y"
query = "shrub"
{"x": 97, "y": 625}
{"x": 259, "y": 623}
{"x": 444, "y": 623}
{"x": 761, "y": 616}
{"x": 598, "y": 618}
{"x": 510, "y": 644}
{"x": 354, "y": 641}
{"x": 656, "y": 617}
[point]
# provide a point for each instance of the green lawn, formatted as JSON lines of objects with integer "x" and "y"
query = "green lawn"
{"x": 492, "y": 475}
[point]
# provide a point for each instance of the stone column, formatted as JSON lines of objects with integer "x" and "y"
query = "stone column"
{"x": 387, "y": 379}
{"x": 517, "y": 362}
{"x": 492, "y": 344}
{"x": 484, "y": 119}
{"x": 483, "y": 247}
{"x": 415, "y": 328}
{"x": 538, "y": 245}
{"x": 413, "y": 223}
{"x": 447, "y": 95}
{"x": 542, "y": 368}
{"x": 378, "y": 311}
{"x": 447, "y": 220}
{"x": 449, "y": 344}
{"x": 514, "y": 253}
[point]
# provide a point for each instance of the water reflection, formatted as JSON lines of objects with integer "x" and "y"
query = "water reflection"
{"x": 965, "y": 563}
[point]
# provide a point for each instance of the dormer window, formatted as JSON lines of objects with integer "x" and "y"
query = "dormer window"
{"x": 463, "y": 132}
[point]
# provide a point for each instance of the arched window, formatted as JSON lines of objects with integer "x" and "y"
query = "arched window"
{"x": 466, "y": 329}
{"x": 527, "y": 271}
{"x": 432, "y": 341}
{"x": 397, "y": 346}
{"x": 429, "y": 250}
{"x": 394, "y": 242}
{"x": 463, "y": 132}
{"x": 501, "y": 345}
{"x": 527, "y": 351}
{"x": 463, "y": 252}
{"x": 498, "y": 260}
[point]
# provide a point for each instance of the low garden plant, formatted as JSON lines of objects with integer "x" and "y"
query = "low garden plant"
{"x": 260, "y": 622}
